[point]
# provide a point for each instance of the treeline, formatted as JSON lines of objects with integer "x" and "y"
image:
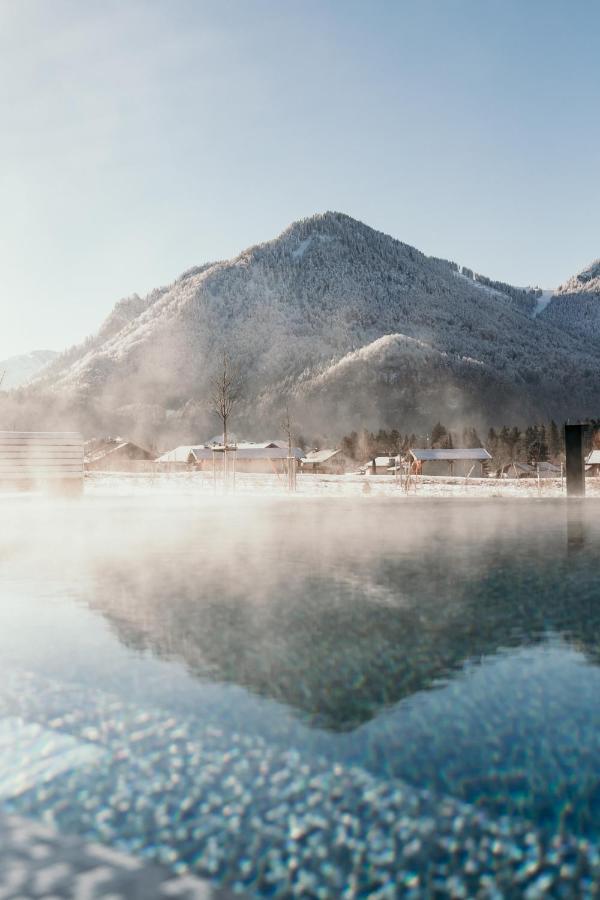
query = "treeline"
{"x": 536, "y": 443}
{"x": 362, "y": 445}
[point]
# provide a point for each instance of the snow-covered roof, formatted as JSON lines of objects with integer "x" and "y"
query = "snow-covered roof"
{"x": 548, "y": 467}
{"x": 179, "y": 454}
{"x": 469, "y": 453}
{"x": 519, "y": 467}
{"x": 217, "y": 440}
{"x": 232, "y": 441}
{"x": 261, "y": 445}
{"x": 543, "y": 469}
{"x": 104, "y": 449}
{"x": 319, "y": 456}
{"x": 594, "y": 458}
{"x": 113, "y": 447}
{"x": 199, "y": 453}
{"x": 268, "y": 453}
{"x": 245, "y": 452}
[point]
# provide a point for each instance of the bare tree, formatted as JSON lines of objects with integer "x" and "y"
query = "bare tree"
{"x": 291, "y": 459}
{"x": 224, "y": 396}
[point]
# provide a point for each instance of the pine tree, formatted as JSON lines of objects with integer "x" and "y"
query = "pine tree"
{"x": 542, "y": 444}
{"x": 515, "y": 443}
{"x": 348, "y": 444}
{"x": 475, "y": 439}
{"x": 492, "y": 441}
{"x": 554, "y": 441}
{"x": 395, "y": 441}
{"x": 438, "y": 433}
{"x": 530, "y": 444}
{"x": 363, "y": 446}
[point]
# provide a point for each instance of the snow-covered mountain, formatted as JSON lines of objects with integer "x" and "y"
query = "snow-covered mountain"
{"x": 575, "y": 306}
{"x": 18, "y": 370}
{"x": 353, "y": 326}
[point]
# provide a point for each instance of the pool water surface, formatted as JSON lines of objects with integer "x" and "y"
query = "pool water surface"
{"x": 347, "y": 698}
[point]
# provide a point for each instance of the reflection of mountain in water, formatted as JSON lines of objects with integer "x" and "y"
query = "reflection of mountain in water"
{"x": 340, "y": 628}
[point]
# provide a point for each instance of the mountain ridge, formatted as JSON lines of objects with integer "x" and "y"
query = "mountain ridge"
{"x": 298, "y": 315}
{"x": 575, "y": 305}
{"x": 23, "y": 367}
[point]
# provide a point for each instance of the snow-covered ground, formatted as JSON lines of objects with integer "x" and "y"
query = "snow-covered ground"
{"x": 182, "y": 483}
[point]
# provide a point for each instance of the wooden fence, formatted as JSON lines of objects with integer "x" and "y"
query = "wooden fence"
{"x": 36, "y": 459}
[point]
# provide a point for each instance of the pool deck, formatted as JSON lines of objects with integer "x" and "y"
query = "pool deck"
{"x": 37, "y": 862}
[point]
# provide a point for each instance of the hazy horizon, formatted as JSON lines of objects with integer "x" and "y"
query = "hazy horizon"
{"x": 141, "y": 139}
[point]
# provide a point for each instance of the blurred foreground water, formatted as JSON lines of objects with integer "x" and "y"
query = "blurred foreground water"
{"x": 305, "y": 697}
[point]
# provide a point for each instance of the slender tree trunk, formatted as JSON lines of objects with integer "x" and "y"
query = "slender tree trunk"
{"x": 225, "y": 468}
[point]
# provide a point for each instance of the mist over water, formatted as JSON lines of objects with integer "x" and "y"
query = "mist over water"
{"x": 423, "y": 642}
{"x": 221, "y": 664}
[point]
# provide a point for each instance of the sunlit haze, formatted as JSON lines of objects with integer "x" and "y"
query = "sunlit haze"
{"x": 139, "y": 139}
{"x": 299, "y": 449}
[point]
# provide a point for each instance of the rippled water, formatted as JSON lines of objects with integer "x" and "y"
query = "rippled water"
{"x": 428, "y": 652}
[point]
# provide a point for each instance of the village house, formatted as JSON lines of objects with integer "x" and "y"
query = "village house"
{"x": 116, "y": 455}
{"x": 592, "y": 463}
{"x": 326, "y": 462}
{"x": 516, "y": 470}
{"x": 180, "y": 458}
{"x": 266, "y": 458}
{"x": 382, "y": 465}
{"x": 270, "y": 458}
{"x": 529, "y": 470}
{"x": 460, "y": 461}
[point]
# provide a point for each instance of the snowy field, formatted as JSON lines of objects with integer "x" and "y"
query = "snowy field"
{"x": 181, "y": 483}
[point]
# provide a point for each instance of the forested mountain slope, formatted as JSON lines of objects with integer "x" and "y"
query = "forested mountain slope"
{"x": 575, "y": 306}
{"x": 355, "y": 326}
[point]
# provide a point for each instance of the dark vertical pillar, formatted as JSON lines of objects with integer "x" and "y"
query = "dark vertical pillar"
{"x": 575, "y": 528}
{"x": 575, "y": 465}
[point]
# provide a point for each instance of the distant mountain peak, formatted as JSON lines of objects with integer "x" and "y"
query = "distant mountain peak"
{"x": 590, "y": 272}
{"x": 19, "y": 370}
{"x": 356, "y": 327}
{"x": 586, "y": 281}
{"x": 331, "y": 223}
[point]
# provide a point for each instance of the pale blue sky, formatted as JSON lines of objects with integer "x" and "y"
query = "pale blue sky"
{"x": 140, "y": 138}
